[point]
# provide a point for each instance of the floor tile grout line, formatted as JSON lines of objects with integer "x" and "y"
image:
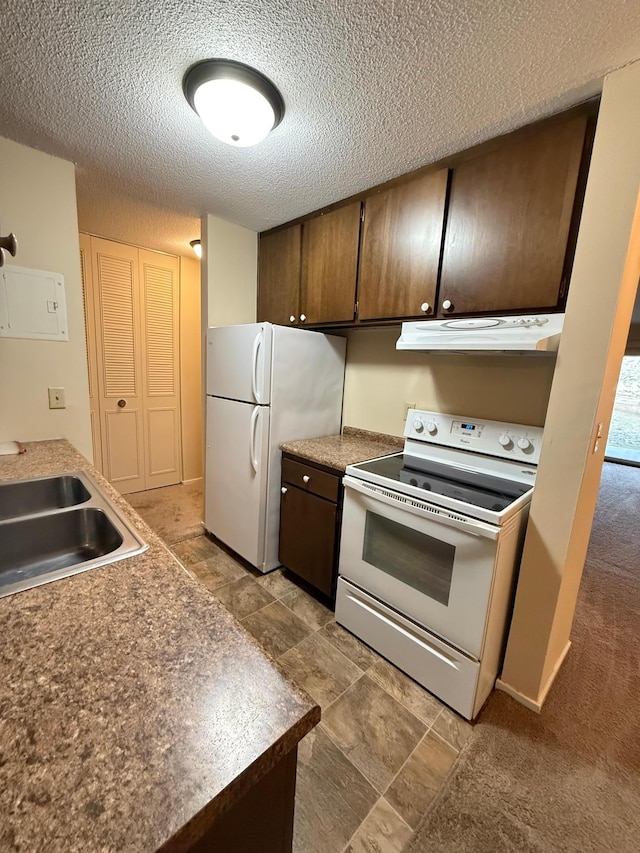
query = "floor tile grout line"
{"x": 404, "y": 704}
{"x": 365, "y": 671}
{"x": 368, "y": 814}
{"x": 341, "y": 750}
{"x": 299, "y": 643}
{"x": 300, "y": 617}
{"x": 331, "y": 646}
{"x": 402, "y": 766}
{"x": 400, "y": 769}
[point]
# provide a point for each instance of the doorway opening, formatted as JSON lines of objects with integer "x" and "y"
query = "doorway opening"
{"x": 623, "y": 443}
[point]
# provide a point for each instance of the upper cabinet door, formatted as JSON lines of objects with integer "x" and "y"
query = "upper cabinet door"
{"x": 279, "y": 276}
{"x": 509, "y": 216}
{"x": 330, "y": 266}
{"x": 400, "y": 252}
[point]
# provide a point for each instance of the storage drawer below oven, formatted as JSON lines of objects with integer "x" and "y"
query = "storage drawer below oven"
{"x": 443, "y": 670}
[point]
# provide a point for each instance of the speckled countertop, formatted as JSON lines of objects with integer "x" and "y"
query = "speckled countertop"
{"x": 133, "y": 707}
{"x": 338, "y": 451}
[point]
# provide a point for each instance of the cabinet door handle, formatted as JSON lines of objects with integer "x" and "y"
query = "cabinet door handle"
{"x": 303, "y": 317}
{"x": 292, "y": 318}
{"x": 284, "y": 490}
{"x": 305, "y": 478}
{"x": 425, "y": 307}
{"x": 448, "y": 305}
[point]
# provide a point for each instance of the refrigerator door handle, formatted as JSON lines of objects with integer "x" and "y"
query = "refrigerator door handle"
{"x": 254, "y": 361}
{"x": 252, "y": 442}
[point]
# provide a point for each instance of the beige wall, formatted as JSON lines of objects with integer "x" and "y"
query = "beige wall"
{"x": 190, "y": 368}
{"x": 38, "y": 203}
{"x": 230, "y": 272}
{"x": 379, "y": 380}
{"x": 601, "y": 296}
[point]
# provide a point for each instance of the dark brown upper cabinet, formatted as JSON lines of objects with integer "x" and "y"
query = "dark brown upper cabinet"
{"x": 279, "y": 276}
{"x": 510, "y": 213}
{"x": 400, "y": 250}
{"x": 330, "y": 266}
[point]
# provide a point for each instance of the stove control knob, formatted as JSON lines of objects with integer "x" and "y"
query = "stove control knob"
{"x": 524, "y": 444}
{"x": 505, "y": 440}
{"x": 418, "y": 425}
{"x": 432, "y": 429}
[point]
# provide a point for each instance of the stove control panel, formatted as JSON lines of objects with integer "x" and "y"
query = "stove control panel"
{"x": 493, "y": 438}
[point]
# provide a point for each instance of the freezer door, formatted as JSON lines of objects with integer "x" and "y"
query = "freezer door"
{"x": 236, "y": 476}
{"x": 239, "y": 362}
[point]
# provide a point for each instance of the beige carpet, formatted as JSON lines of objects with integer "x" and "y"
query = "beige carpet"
{"x": 568, "y": 779}
{"x": 174, "y": 512}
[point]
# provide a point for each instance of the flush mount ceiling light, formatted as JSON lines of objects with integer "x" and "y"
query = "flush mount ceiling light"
{"x": 196, "y": 245}
{"x": 236, "y": 103}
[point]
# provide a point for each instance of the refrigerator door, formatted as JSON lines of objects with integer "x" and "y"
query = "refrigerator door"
{"x": 239, "y": 362}
{"x": 236, "y": 476}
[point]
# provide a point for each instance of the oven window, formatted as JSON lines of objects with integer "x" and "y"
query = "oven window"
{"x": 418, "y": 560}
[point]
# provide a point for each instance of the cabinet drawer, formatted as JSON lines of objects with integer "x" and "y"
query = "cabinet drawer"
{"x": 311, "y": 479}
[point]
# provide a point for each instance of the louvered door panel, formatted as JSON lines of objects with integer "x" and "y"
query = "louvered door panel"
{"x": 88, "y": 302}
{"x": 159, "y": 277}
{"x": 117, "y": 289}
{"x": 119, "y": 338}
{"x": 160, "y": 362}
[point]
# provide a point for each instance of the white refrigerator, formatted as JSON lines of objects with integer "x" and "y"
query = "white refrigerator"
{"x": 265, "y": 384}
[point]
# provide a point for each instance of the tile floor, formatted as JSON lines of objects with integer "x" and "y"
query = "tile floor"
{"x": 368, "y": 772}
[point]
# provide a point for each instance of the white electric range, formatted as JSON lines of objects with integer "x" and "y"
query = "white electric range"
{"x": 431, "y": 543}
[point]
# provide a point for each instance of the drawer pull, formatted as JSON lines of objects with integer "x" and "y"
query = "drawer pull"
{"x": 284, "y": 490}
{"x": 306, "y": 478}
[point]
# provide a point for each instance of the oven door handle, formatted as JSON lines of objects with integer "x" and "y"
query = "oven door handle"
{"x": 422, "y": 509}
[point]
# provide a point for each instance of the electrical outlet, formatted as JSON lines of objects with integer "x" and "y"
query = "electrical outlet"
{"x": 408, "y": 406}
{"x": 56, "y": 398}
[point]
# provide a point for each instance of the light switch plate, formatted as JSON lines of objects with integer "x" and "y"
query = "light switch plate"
{"x": 56, "y": 398}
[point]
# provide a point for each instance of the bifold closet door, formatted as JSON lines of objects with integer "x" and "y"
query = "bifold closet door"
{"x": 116, "y": 286}
{"x": 159, "y": 303}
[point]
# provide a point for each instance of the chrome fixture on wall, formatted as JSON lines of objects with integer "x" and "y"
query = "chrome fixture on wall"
{"x": 8, "y": 244}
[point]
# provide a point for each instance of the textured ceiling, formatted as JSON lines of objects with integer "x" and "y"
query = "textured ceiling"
{"x": 373, "y": 88}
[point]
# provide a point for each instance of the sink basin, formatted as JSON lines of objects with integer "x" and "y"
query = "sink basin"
{"x": 26, "y": 497}
{"x": 50, "y": 536}
{"x": 41, "y": 544}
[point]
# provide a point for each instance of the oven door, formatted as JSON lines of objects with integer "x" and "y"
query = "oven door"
{"x": 431, "y": 564}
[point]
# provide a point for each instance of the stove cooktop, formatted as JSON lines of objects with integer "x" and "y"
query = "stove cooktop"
{"x": 473, "y": 488}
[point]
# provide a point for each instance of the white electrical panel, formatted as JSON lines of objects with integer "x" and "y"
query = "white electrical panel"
{"x": 32, "y": 304}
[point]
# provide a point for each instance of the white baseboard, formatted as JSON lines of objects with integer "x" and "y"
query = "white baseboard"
{"x": 535, "y": 704}
{"x": 189, "y": 482}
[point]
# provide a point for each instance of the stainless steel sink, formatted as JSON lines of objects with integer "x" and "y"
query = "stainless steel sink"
{"x": 44, "y": 545}
{"x": 26, "y": 497}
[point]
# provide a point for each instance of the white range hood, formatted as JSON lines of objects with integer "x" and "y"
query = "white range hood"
{"x": 532, "y": 333}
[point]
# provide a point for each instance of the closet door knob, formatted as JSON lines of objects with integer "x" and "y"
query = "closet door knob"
{"x": 122, "y": 404}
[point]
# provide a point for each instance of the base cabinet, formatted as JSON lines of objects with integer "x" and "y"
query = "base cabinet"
{"x": 310, "y": 513}
{"x": 262, "y": 820}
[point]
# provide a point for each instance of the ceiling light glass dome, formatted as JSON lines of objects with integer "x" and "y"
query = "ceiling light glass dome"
{"x": 236, "y": 103}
